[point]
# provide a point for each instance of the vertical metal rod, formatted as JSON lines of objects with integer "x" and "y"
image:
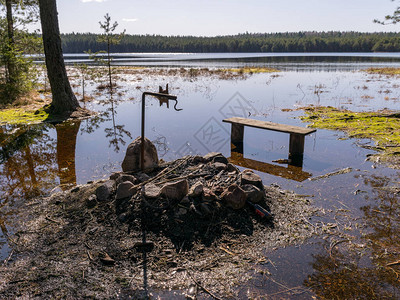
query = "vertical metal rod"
{"x": 142, "y": 137}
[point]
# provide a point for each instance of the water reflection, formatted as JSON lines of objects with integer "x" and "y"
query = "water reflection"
{"x": 66, "y": 145}
{"x": 28, "y": 161}
{"x": 117, "y": 133}
{"x": 283, "y": 61}
{"x": 33, "y": 159}
{"x": 368, "y": 268}
{"x": 294, "y": 170}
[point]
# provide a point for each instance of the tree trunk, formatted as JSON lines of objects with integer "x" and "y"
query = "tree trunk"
{"x": 64, "y": 101}
{"x": 10, "y": 45}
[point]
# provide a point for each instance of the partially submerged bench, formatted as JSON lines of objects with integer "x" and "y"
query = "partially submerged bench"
{"x": 297, "y": 134}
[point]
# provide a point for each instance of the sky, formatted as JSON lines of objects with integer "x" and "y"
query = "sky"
{"x": 225, "y": 17}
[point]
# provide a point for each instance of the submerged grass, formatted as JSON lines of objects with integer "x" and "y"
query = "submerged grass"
{"x": 384, "y": 71}
{"x": 22, "y": 116}
{"x": 382, "y": 127}
{"x": 251, "y": 70}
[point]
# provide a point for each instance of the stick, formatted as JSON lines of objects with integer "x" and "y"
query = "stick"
{"x": 51, "y": 220}
{"x": 162, "y": 174}
{"x": 182, "y": 177}
{"x": 334, "y": 245}
{"x": 9, "y": 257}
{"x": 227, "y": 251}
{"x": 203, "y": 288}
{"x": 393, "y": 263}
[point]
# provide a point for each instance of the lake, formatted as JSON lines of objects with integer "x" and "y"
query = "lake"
{"x": 41, "y": 157}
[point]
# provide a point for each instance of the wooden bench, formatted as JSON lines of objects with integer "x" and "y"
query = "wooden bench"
{"x": 297, "y": 134}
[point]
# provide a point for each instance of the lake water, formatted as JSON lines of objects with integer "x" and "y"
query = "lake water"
{"x": 40, "y": 157}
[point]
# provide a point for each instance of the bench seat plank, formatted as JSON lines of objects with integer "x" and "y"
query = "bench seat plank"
{"x": 270, "y": 126}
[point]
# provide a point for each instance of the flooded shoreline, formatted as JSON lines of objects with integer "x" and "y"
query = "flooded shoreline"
{"x": 361, "y": 206}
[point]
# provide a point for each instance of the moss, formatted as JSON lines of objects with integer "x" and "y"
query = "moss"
{"x": 384, "y": 71}
{"x": 21, "y": 116}
{"x": 383, "y": 127}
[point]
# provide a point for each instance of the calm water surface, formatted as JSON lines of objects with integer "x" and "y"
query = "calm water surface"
{"x": 35, "y": 159}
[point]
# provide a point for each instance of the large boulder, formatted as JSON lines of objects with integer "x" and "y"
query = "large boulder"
{"x": 131, "y": 161}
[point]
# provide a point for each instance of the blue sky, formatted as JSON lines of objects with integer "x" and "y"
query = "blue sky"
{"x": 220, "y": 17}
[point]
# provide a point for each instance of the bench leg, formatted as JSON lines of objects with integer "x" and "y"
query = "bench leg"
{"x": 296, "y": 146}
{"x": 237, "y": 132}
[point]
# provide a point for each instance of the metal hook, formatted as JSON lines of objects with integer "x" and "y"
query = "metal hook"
{"x": 163, "y": 97}
{"x": 176, "y": 103}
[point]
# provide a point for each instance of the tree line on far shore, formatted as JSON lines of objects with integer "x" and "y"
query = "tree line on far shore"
{"x": 248, "y": 42}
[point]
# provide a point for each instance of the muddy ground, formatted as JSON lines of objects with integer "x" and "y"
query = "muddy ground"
{"x": 69, "y": 246}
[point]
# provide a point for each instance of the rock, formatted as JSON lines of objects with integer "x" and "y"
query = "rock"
{"x": 115, "y": 175}
{"x": 131, "y": 161}
{"x": 181, "y": 212}
{"x": 193, "y": 209}
{"x": 197, "y": 159}
{"x": 210, "y": 156}
{"x": 208, "y": 195}
{"x": 220, "y": 159}
{"x": 142, "y": 177}
{"x": 151, "y": 190}
{"x": 232, "y": 168}
{"x": 218, "y": 190}
{"x": 126, "y": 177}
{"x": 106, "y": 259}
{"x": 205, "y": 209}
{"x": 56, "y": 190}
{"x": 185, "y": 201}
{"x": 175, "y": 190}
{"x": 125, "y": 190}
{"x": 253, "y": 193}
{"x": 91, "y": 201}
{"x": 249, "y": 177}
{"x": 104, "y": 191}
{"x": 124, "y": 217}
{"x": 234, "y": 197}
{"x": 196, "y": 190}
{"x": 219, "y": 166}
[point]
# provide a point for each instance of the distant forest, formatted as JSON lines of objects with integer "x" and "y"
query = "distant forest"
{"x": 256, "y": 42}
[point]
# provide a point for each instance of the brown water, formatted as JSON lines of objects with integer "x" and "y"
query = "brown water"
{"x": 35, "y": 159}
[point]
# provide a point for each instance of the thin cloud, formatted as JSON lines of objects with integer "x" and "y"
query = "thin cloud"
{"x": 129, "y": 20}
